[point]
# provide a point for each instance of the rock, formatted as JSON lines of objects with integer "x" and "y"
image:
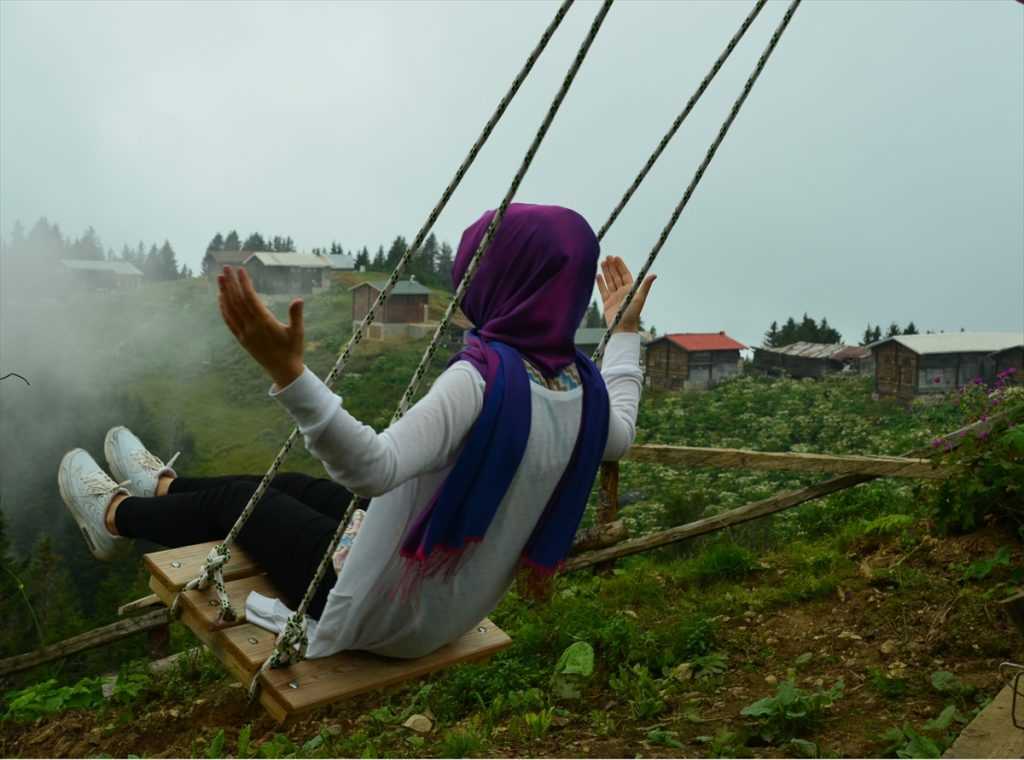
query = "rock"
{"x": 334, "y": 730}
{"x": 421, "y": 724}
{"x": 888, "y": 647}
{"x": 771, "y": 680}
{"x": 851, "y": 636}
{"x": 683, "y": 672}
{"x": 631, "y": 614}
{"x": 174, "y": 712}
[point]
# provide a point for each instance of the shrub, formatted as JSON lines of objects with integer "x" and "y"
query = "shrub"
{"x": 791, "y": 711}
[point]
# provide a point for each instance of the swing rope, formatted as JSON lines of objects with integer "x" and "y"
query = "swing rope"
{"x": 292, "y": 641}
{"x": 213, "y": 567}
{"x": 638, "y": 280}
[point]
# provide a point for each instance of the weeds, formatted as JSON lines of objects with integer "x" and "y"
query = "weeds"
{"x": 639, "y": 690}
{"x": 791, "y": 711}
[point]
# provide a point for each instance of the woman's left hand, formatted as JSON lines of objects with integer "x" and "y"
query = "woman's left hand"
{"x": 278, "y": 347}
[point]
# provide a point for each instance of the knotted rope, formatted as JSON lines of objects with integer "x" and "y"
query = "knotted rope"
{"x": 213, "y": 569}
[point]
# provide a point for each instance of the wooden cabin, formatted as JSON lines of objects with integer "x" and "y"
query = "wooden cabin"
{"x": 805, "y": 359}
{"x": 285, "y": 273}
{"x": 101, "y": 275}
{"x": 215, "y": 261}
{"x": 407, "y": 303}
{"x": 691, "y": 361}
{"x": 910, "y": 365}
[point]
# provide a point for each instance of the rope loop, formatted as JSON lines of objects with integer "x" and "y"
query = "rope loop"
{"x": 290, "y": 648}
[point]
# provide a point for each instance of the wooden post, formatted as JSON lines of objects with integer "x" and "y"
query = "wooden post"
{"x": 158, "y": 642}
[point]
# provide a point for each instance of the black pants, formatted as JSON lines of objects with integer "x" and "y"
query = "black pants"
{"x": 287, "y": 533}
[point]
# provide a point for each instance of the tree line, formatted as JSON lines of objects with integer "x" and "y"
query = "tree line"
{"x": 43, "y": 246}
{"x": 432, "y": 264}
{"x": 810, "y": 330}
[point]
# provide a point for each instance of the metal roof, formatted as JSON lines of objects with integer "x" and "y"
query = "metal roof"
{"x": 229, "y": 258}
{"x": 89, "y": 265}
{"x": 717, "y": 341}
{"x": 807, "y": 349}
{"x": 957, "y": 342}
{"x": 402, "y": 287}
{"x": 295, "y": 260}
{"x": 340, "y": 261}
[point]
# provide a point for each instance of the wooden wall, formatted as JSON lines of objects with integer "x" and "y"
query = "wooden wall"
{"x": 895, "y": 371}
{"x": 398, "y": 309}
{"x": 671, "y": 367}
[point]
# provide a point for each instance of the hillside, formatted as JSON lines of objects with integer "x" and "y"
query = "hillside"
{"x": 863, "y": 624}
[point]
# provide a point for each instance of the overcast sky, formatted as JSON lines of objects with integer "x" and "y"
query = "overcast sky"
{"x": 876, "y": 172}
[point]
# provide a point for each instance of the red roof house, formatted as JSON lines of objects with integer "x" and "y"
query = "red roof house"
{"x": 691, "y": 361}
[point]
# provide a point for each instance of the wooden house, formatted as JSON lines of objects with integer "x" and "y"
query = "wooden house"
{"x": 215, "y": 261}
{"x": 691, "y": 361}
{"x": 101, "y": 275}
{"x": 407, "y": 303}
{"x": 805, "y": 359}
{"x": 285, "y": 273}
{"x": 912, "y": 365}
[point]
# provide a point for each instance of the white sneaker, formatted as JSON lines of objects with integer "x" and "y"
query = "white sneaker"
{"x": 133, "y": 463}
{"x": 87, "y": 492}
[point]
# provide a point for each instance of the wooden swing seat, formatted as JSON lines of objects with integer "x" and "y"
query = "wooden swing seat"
{"x": 242, "y": 647}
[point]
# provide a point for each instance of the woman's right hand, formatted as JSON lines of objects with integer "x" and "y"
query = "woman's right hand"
{"x": 614, "y": 284}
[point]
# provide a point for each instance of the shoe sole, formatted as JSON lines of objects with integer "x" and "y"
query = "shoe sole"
{"x": 69, "y": 503}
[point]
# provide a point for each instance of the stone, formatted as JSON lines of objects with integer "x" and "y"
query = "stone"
{"x": 888, "y": 647}
{"x": 421, "y": 724}
{"x": 771, "y": 680}
{"x": 683, "y": 672}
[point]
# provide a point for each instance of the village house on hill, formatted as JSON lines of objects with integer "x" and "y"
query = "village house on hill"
{"x": 911, "y": 365}
{"x": 805, "y": 359}
{"x": 405, "y": 312}
{"x": 102, "y": 275}
{"x": 215, "y": 261}
{"x": 285, "y": 273}
{"x": 691, "y": 361}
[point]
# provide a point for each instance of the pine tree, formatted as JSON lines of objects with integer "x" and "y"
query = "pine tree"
{"x": 827, "y": 333}
{"x": 231, "y": 242}
{"x": 868, "y": 336}
{"x": 425, "y": 263}
{"x": 255, "y": 242}
{"x": 362, "y": 259}
{"x": 877, "y": 336}
{"x": 217, "y": 244}
{"x": 894, "y": 329}
{"x": 771, "y": 338}
{"x": 49, "y": 590}
{"x": 396, "y": 252}
{"x": 593, "y": 317}
{"x": 445, "y": 263}
{"x": 910, "y": 329}
{"x": 379, "y": 262}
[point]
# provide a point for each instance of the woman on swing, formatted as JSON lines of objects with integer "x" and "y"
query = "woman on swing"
{"x": 488, "y": 474}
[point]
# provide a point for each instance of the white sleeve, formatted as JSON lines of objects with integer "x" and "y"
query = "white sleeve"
{"x": 621, "y": 371}
{"x": 368, "y": 463}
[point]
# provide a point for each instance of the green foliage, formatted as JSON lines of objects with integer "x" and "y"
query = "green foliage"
{"x": 463, "y": 742}
{"x": 982, "y": 568}
{"x": 890, "y": 688}
{"x": 538, "y": 723}
{"x": 48, "y": 697}
{"x": 791, "y": 711}
{"x": 244, "y": 738}
{"x": 639, "y": 690}
{"x": 723, "y": 560}
{"x": 725, "y": 743}
{"x": 905, "y": 742}
{"x": 664, "y": 738}
{"x": 946, "y": 683}
{"x": 573, "y": 668}
{"x": 216, "y": 748}
{"x": 885, "y": 525}
{"x": 708, "y": 665}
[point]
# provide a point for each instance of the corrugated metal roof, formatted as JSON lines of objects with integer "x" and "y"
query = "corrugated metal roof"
{"x": 299, "y": 260}
{"x": 402, "y": 288}
{"x": 718, "y": 341}
{"x": 851, "y": 352}
{"x": 808, "y": 350}
{"x": 340, "y": 261}
{"x": 228, "y": 258}
{"x": 957, "y": 342}
{"x": 88, "y": 265}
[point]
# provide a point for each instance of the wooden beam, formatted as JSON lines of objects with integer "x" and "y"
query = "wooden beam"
{"x": 697, "y": 456}
{"x": 757, "y": 509}
{"x": 151, "y": 600}
{"x": 88, "y": 640}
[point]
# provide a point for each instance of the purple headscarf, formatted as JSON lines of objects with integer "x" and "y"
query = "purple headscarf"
{"x": 526, "y": 301}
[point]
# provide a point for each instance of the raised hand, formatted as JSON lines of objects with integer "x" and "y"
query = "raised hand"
{"x": 614, "y": 282}
{"x": 276, "y": 346}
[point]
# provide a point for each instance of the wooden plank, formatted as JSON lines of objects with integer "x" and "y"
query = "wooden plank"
{"x": 992, "y": 733}
{"x": 173, "y": 568}
{"x": 88, "y": 640}
{"x": 757, "y": 509}
{"x": 151, "y": 600}
{"x": 696, "y": 456}
{"x": 205, "y": 606}
{"x": 312, "y": 683}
